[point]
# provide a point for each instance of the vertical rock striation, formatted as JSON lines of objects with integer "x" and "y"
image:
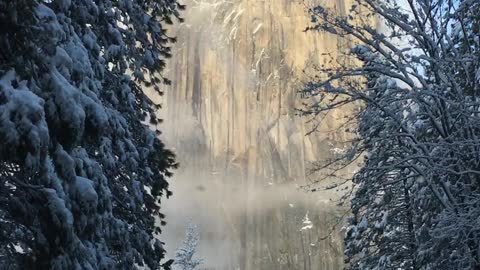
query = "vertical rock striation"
{"x": 231, "y": 115}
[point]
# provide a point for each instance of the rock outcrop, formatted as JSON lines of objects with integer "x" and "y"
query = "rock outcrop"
{"x": 231, "y": 117}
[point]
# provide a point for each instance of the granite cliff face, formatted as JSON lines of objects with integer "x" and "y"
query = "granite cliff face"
{"x": 230, "y": 116}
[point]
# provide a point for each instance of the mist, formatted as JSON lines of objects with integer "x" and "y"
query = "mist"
{"x": 230, "y": 116}
{"x": 263, "y": 219}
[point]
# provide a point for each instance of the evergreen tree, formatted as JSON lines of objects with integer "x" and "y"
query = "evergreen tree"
{"x": 81, "y": 172}
{"x": 184, "y": 256}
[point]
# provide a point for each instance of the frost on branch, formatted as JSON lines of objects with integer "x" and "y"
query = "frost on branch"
{"x": 185, "y": 255}
{"x": 414, "y": 80}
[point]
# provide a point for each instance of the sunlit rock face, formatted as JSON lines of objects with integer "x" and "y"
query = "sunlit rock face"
{"x": 230, "y": 117}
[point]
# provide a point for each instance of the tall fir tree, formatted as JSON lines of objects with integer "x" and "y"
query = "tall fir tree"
{"x": 81, "y": 170}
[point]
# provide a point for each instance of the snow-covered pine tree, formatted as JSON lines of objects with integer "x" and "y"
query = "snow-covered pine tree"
{"x": 184, "y": 256}
{"x": 81, "y": 172}
{"x": 416, "y": 197}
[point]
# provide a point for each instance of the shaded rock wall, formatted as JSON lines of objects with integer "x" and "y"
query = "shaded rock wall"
{"x": 230, "y": 116}
{"x": 235, "y": 72}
